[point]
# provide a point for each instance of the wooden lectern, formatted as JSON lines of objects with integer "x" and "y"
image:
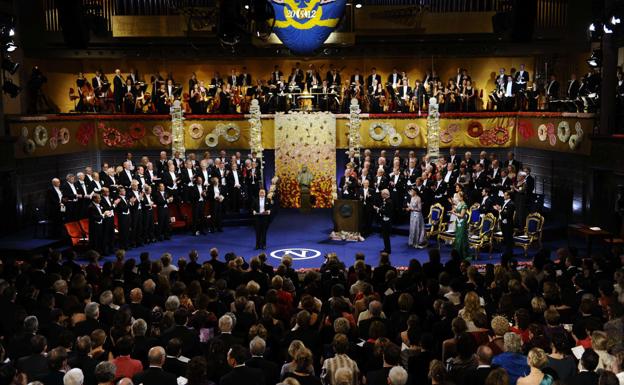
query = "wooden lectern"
{"x": 347, "y": 214}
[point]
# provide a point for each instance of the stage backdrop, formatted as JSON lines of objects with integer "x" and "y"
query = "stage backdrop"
{"x": 310, "y": 139}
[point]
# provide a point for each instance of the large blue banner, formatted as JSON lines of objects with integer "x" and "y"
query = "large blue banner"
{"x": 304, "y": 25}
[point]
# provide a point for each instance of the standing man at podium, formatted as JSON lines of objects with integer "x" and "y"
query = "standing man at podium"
{"x": 304, "y": 178}
{"x": 385, "y": 211}
{"x": 261, "y": 210}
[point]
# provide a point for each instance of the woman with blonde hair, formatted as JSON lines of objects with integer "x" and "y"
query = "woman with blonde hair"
{"x": 599, "y": 344}
{"x": 472, "y": 306}
{"x": 536, "y": 359}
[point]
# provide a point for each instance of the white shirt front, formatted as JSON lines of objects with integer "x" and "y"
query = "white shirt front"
{"x": 508, "y": 89}
{"x": 59, "y": 193}
{"x": 173, "y": 178}
{"x": 261, "y": 206}
{"x": 235, "y": 173}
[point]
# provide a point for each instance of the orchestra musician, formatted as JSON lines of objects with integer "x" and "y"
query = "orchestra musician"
{"x": 129, "y": 98}
{"x": 404, "y": 95}
{"x": 119, "y": 90}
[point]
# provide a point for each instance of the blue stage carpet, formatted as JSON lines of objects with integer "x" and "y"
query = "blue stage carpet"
{"x": 293, "y": 230}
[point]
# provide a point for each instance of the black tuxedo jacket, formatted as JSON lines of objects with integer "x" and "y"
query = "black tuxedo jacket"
{"x": 84, "y": 191}
{"x": 95, "y": 217}
{"x": 370, "y": 78}
{"x": 369, "y": 201}
{"x": 481, "y": 181}
{"x": 184, "y": 176}
{"x": 167, "y": 180}
{"x": 155, "y": 376}
{"x": 190, "y": 339}
{"x": 194, "y": 194}
{"x": 125, "y": 180}
{"x": 383, "y": 183}
{"x": 269, "y": 368}
{"x": 243, "y": 375}
{"x": 351, "y": 190}
{"x": 68, "y": 193}
{"x": 584, "y": 378}
{"x": 439, "y": 191}
{"x": 507, "y": 213}
{"x": 159, "y": 200}
{"x": 573, "y": 89}
{"x": 256, "y": 204}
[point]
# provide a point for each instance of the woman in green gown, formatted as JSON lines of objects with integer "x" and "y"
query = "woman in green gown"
{"x": 461, "y": 229}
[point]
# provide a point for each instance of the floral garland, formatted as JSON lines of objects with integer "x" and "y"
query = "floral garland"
{"x": 354, "y": 127}
{"x": 384, "y": 127}
{"x": 196, "y": 130}
{"x": 542, "y": 133}
{"x": 395, "y": 139}
{"x": 212, "y": 140}
{"x": 64, "y": 135}
{"x": 433, "y": 129}
{"x": 411, "y": 131}
{"x": 563, "y": 131}
{"x": 224, "y": 131}
{"x": 41, "y": 136}
{"x": 475, "y": 129}
{"x": 255, "y": 132}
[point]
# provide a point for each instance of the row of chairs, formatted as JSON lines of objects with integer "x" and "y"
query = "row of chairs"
{"x": 483, "y": 230}
{"x": 180, "y": 218}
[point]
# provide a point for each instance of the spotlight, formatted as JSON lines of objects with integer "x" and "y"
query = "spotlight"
{"x": 358, "y": 4}
{"x": 10, "y": 46}
{"x": 11, "y": 88}
{"x": 592, "y": 27}
{"x": 247, "y": 6}
{"x": 606, "y": 29}
{"x": 9, "y": 66}
{"x": 12, "y": 31}
{"x": 615, "y": 20}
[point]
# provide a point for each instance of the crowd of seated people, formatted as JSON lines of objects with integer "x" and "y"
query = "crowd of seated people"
{"x": 513, "y": 90}
{"x": 225, "y": 320}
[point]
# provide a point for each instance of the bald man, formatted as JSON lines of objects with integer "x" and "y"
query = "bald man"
{"x": 155, "y": 375}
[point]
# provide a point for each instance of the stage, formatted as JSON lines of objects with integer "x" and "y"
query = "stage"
{"x": 305, "y": 237}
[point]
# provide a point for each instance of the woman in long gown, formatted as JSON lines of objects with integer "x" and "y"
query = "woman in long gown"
{"x": 454, "y": 201}
{"x": 461, "y": 231}
{"x": 417, "y": 223}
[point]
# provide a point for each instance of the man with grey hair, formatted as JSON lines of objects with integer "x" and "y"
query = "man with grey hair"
{"x": 107, "y": 308}
{"x": 397, "y": 376}
{"x": 154, "y": 374}
{"x": 92, "y": 313}
{"x": 142, "y": 343}
{"x": 73, "y": 377}
{"x": 70, "y": 197}
{"x": 375, "y": 313}
{"x": 257, "y": 347}
{"x": 19, "y": 344}
{"x": 514, "y": 362}
{"x": 226, "y": 325}
{"x": 105, "y": 373}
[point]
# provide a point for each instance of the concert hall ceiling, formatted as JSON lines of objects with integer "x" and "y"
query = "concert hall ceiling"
{"x": 195, "y": 28}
